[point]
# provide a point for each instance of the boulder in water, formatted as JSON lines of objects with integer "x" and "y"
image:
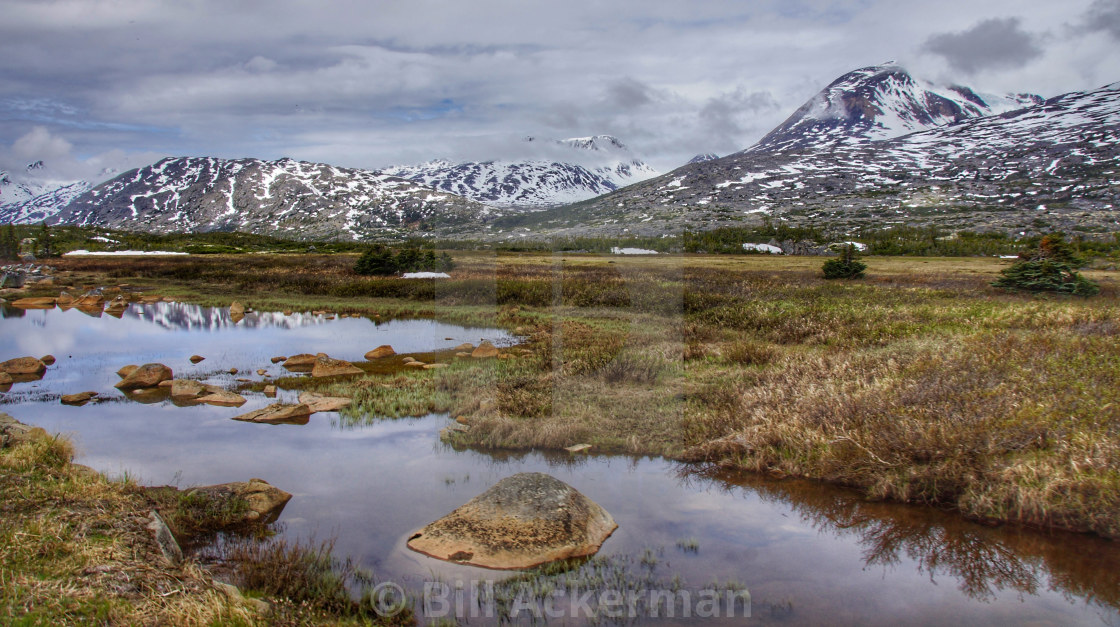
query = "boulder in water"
{"x": 522, "y": 521}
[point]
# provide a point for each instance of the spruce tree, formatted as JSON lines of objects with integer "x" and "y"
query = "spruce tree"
{"x": 845, "y": 266}
{"x": 1052, "y": 267}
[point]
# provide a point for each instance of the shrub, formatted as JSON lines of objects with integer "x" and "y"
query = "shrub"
{"x": 845, "y": 266}
{"x": 1052, "y": 267}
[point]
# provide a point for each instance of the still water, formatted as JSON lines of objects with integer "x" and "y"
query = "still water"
{"x": 808, "y": 553}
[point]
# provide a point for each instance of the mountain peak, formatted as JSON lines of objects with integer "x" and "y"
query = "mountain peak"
{"x": 881, "y": 102}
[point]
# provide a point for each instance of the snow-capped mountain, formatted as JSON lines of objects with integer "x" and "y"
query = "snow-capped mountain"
{"x": 36, "y": 195}
{"x": 881, "y": 102}
{"x": 1051, "y": 165}
{"x": 708, "y": 156}
{"x": 286, "y": 197}
{"x": 585, "y": 167}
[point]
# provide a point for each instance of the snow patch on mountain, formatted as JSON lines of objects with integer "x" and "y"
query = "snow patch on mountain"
{"x": 577, "y": 169}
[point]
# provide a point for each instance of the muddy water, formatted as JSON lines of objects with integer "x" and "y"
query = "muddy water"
{"x": 809, "y": 554}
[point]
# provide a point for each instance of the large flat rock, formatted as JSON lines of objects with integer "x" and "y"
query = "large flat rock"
{"x": 522, "y": 521}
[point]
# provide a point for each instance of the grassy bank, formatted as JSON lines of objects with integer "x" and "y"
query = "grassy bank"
{"x": 919, "y": 383}
{"x": 75, "y": 549}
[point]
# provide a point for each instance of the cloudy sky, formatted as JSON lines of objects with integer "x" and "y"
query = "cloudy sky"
{"x": 87, "y": 84}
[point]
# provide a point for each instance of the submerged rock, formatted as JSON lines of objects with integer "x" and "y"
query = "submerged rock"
{"x": 81, "y": 398}
{"x": 317, "y": 402}
{"x": 221, "y": 398}
{"x": 522, "y": 521}
{"x": 236, "y": 312}
{"x": 278, "y": 414}
{"x": 146, "y": 376}
{"x": 35, "y": 303}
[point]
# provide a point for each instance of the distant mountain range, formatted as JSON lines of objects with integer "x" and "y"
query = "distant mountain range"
{"x": 850, "y": 158}
{"x": 286, "y": 197}
{"x": 588, "y": 167}
{"x": 875, "y": 148}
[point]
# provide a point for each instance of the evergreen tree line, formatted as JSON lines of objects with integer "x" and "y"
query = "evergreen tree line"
{"x": 380, "y": 260}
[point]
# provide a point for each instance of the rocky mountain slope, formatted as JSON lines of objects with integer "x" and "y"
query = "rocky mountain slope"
{"x": 581, "y": 168}
{"x": 285, "y": 198}
{"x": 1050, "y": 165}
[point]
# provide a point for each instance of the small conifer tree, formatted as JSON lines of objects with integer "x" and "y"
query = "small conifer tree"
{"x": 1052, "y": 267}
{"x": 845, "y": 266}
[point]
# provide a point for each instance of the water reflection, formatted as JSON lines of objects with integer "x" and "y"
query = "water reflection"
{"x": 982, "y": 560}
{"x": 186, "y": 317}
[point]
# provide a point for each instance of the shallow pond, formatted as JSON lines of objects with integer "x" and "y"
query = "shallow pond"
{"x": 808, "y": 553}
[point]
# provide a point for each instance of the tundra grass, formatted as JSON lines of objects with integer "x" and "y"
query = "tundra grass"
{"x": 74, "y": 549}
{"x": 920, "y": 383}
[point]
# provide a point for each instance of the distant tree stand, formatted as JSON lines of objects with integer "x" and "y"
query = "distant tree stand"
{"x": 1052, "y": 267}
{"x": 845, "y": 266}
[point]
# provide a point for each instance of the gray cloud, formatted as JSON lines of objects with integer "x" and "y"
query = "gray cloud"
{"x": 1103, "y": 16}
{"x": 997, "y": 43}
{"x": 371, "y": 84}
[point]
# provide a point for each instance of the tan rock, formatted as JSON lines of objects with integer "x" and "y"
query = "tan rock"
{"x": 302, "y": 362}
{"x": 221, "y": 398}
{"x": 14, "y": 432}
{"x": 485, "y": 349}
{"x": 6, "y": 379}
{"x": 278, "y": 413}
{"x": 66, "y": 299}
{"x": 47, "y": 359}
{"x": 462, "y": 354}
{"x": 126, "y": 370}
{"x": 465, "y": 347}
{"x": 381, "y": 351}
{"x": 270, "y": 391}
{"x": 263, "y": 502}
{"x": 328, "y": 367}
{"x": 80, "y": 398}
{"x": 233, "y": 371}
{"x": 186, "y": 390}
{"x": 522, "y": 521}
{"x": 23, "y": 365}
{"x": 287, "y": 312}
{"x": 261, "y": 372}
{"x": 409, "y": 359}
{"x": 35, "y": 303}
{"x": 167, "y": 384}
{"x": 196, "y": 358}
{"x": 146, "y": 376}
{"x": 318, "y": 402}
{"x": 278, "y": 359}
{"x": 578, "y": 448}
{"x": 236, "y": 312}
{"x": 434, "y": 366}
{"x": 91, "y": 300}
{"x": 415, "y": 364}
